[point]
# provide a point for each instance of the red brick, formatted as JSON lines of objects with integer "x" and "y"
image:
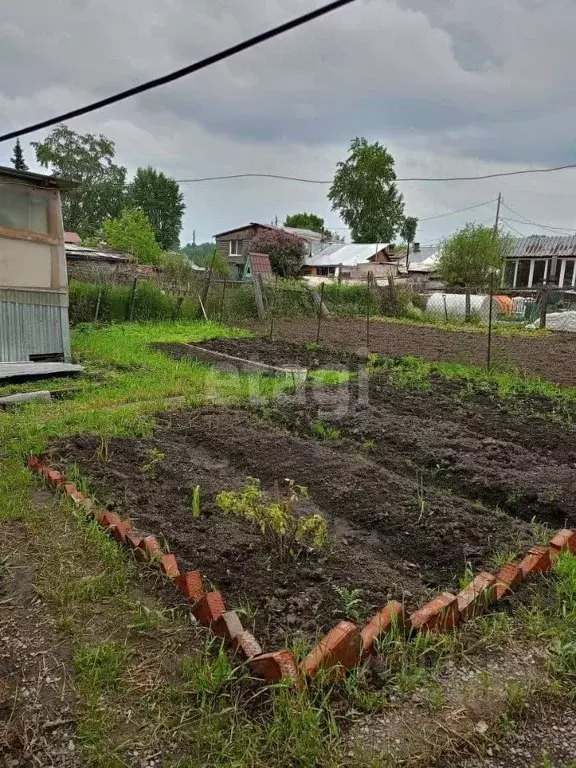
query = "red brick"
{"x": 227, "y": 626}
{"x": 149, "y": 549}
{"x": 509, "y": 577}
{"x": 275, "y": 667}
{"x": 108, "y": 519}
{"x": 440, "y": 613}
{"x": 191, "y": 585}
{"x": 79, "y": 498}
{"x": 133, "y": 540}
{"x": 43, "y": 468}
{"x": 169, "y": 566}
{"x": 391, "y": 614}
{"x": 33, "y": 463}
{"x": 69, "y": 488}
{"x": 55, "y": 477}
{"x": 246, "y": 644}
{"x": 477, "y": 595}
{"x": 342, "y": 646}
{"x": 564, "y": 540}
{"x": 536, "y": 561}
{"x": 121, "y": 530}
{"x": 209, "y": 608}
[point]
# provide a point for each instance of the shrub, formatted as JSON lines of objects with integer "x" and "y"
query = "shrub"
{"x": 286, "y": 251}
{"x": 285, "y": 531}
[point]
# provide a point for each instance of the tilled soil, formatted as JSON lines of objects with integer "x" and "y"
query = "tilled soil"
{"x": 552, "y": 357}
{"x": 383, "y": 539}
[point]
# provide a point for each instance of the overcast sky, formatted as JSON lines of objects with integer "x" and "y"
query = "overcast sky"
{"x": 451, "y": 87}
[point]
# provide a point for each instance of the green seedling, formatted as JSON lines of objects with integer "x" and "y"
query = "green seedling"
{"x": 196, "y": 512}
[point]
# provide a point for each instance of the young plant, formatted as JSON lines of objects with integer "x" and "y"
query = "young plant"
{"x": 420, "y": 493}
{"x": 196, "y": 512}
{"x": 351, "y": 601}
{"x": 285, "y": 531}
{"x": 156, "y": 458}
{"x": 103, "y": 451}
{"x": 324, "y": 432}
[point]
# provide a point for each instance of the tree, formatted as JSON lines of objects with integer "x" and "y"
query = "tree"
{"x": 88, "y": 160}
{"x": 408, "y": 234}
{"x": 132, "y": 233}
{"x": 160, "y": 198}
{"x": 18, "y": 160}
{"x": 306, "y": 221}
{"x": 468, "y": 259}
{"x": 286, "y": 251}
{"x": 365, "y": 194}
{"x": 209, "y": 256}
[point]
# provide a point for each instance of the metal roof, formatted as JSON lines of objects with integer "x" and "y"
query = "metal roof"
{"x": 335, "y": 254}
{"x": 543, "y": 245}
{"x": 305, "y": 234}
{"x": 93, "y": 254}
{"x": 423, "y": 260}
{"x": 39, "y": 179}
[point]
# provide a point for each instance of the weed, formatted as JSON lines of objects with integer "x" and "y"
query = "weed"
{"x": 98, "y": 667}
{"x": 196, "y": 511}
{"x": 350, "y": 602}
{"x": 369, "y": 445}
{"x": 324, "y": 432}
{"x": 421, "y": 500}
{"x": 155, "y": 457}
{"x": 540, "y": 532}
{"x": 467, "y": 577}
{"x": 285, "y": 531}
{"x": 208, "y": 676}
{"x": 103, "y": 451}
{"x": 498, "y": 560}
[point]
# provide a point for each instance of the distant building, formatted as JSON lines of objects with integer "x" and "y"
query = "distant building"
{"x": 235, "y": 243}
{"x": 352, "y": 261}
{"x": 33, "y": 279}
{"x": 72, "y": 238}
{"x": 541, "y": 258}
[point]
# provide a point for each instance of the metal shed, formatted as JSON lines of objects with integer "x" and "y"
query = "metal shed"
{"x": 33, "y": 280}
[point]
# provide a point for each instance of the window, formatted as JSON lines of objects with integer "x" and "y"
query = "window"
{"x": 235, "y": 247}
{"x": 25, "y": 208}
{"x": 539, "y": 269}
{"x": 510, "y": 269}
{"x": 523, "y": 274}
{"x": 568, "y": 274}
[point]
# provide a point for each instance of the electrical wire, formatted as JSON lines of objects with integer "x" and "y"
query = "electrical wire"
{"x": 510, "y": 227}
{"x": 534, "y": 223}
{"x": 460, "y": 210}
{"x": 179, "y": 73}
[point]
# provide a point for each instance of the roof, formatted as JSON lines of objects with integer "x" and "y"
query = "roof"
{"x": 423, "y": 260}
{"x": 543, "y": 245}
{"x": 334, "y": 254}
{"x": 79, "y": 253}
{"x": 260, "y": 264}
{"x": 72, "y": 237}
{"x": 305, "y": 234}
{"x": 39, "y": 179}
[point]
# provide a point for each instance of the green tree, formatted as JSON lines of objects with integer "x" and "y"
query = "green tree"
{"x": 408, "y": 234}
{"x": 18, "y": 160}
{"x": 160, "y": 198}
{"x": 469, "y": 258}
{"x": 132, "y": 233}
{"x": 365, "y": 194}
{"x": 306, "y": 221}
{"x": 88, "y": 160}
{"x": 286, "y": 251}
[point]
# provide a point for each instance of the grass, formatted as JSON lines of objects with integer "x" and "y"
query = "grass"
{"x": 186, "y": 698}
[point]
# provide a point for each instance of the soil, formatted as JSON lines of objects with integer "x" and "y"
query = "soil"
{"x": 283, "y": 355}
{"x": 383, "y": 540}
{"x": 552, "y": 356}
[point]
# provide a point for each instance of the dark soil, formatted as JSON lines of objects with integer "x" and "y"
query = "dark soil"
{"x": 552, "y": 357}
{"x": 383, "y": 541}
{"x": 283, "y": 355}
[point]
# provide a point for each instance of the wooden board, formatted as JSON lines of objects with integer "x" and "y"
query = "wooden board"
{"x": 24, "y": 371}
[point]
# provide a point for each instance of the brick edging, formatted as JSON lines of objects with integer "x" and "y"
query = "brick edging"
{"x": 346, "y": 644}
{"x": 208, "y": 608}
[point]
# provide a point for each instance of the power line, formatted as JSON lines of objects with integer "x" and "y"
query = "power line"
{"x": 460, "y": 210}
{"x": 535, "y": 223}
{"x": 179, "y": 73}
{"x": 251, "y": 176}
{"x": 513, "y": 229}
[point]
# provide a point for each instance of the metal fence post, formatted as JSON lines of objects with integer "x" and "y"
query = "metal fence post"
{"x": 320, "y": 309}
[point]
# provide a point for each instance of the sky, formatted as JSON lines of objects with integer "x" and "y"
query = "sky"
{"x": 450, "y": 87}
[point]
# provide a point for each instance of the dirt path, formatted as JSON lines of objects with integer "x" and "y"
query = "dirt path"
{"x": 551, "y": 357}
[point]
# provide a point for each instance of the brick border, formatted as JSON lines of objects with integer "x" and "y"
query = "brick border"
{"x": 346, "y": 644}
{"x": 208, "y": 608}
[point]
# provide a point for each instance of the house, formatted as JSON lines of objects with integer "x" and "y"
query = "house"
{"x": 540, "y": 258}
{"x": 72, "y": 238}
{"x": 33, "y": 279}
{"x": 235, "y": 243}
{"x": 352, "y": 261}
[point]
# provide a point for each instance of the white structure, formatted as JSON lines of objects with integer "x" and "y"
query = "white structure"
{"x": 453, "y": 305}
{"x": 539, "y": 258}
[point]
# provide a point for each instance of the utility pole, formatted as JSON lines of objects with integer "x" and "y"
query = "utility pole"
{"x": 193, "y": 237}
{"x": 276, "y": 221}
{"x": 497, "y": 222}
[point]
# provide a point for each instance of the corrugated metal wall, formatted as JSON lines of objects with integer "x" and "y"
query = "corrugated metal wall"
{"x": 32, "y": 329}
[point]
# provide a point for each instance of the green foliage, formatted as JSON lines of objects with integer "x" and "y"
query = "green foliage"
{"x": 161, "y": 200}
{"x": 351, "y": 601}
{"x": 324, "y": 432}
{"x": 365, "y": 194}
{"x": 213, "y": 259}
{"x": 408, "y": 229}
{"x": 88, "y": 160}
{"x": 132, "y": 233}
{"x": 306, "y": 221}
{"x": 17, "y": 159}
{"x": 286, "y": 251}
{"x": 98, "y": 667}
{"x": 155, "y": 458}
{"x": 471, "y": 256}
{"x": 196, "y": 510}
{"x": 206, "y": 676}
{"x": 176, "y": 268}
{"x": 286, "y": 532}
